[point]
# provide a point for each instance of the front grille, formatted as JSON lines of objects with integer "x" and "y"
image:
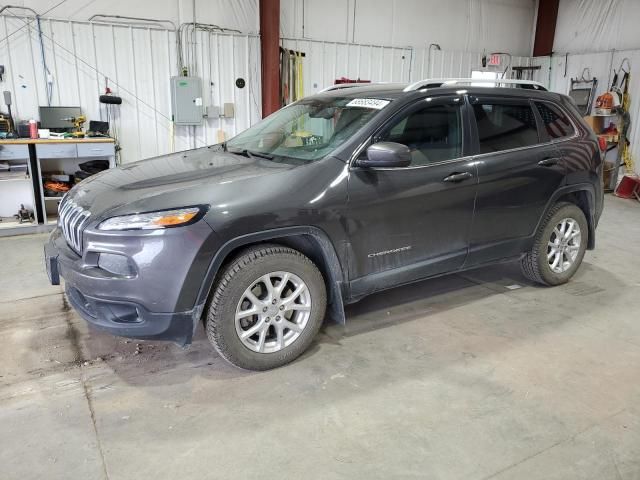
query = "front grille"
{"x": 72, "y": 219}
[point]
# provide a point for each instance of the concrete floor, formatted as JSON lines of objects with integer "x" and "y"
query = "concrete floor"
{"x": 471, "y": 376}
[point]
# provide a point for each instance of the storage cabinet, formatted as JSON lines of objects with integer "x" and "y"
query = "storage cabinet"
{"x": 16, "y": 185}
{"x": 42, "y": 160}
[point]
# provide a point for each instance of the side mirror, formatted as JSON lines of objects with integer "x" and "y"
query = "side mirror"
{"x": 386, "y": 155}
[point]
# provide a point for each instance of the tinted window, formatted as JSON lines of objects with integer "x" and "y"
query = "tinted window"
{"x": 556, "y": 123}
{"x": 432, "y": 133}
{"x": 505, "y": 126}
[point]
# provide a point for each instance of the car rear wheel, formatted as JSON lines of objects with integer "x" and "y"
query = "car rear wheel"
{"x": 266, "y": 308}
{"x": 559, "y": 246}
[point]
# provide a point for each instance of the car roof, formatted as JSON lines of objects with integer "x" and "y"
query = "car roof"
{"x": 393, "y": 91}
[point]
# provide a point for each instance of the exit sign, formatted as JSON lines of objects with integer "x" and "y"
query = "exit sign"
{"x": 494, "y": 60}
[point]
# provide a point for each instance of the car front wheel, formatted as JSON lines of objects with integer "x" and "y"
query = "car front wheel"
{"x": 267, "y": 307}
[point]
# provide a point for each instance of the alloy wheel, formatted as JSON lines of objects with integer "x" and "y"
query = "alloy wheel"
{"x": 564, "y": 245}
{"x": 273, "y": 312}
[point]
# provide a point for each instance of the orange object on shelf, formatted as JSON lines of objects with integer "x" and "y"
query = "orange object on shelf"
{"x": 56, "y": 186}
{"x": 604, "y": 104}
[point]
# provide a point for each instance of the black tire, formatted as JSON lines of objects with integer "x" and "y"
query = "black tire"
{"x": 535, "y": 265}
{"x": 237, "y": 276}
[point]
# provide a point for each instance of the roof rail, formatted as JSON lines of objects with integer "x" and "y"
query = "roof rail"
{"x": 445, "y": 82}
{"x": 340, "y": 86}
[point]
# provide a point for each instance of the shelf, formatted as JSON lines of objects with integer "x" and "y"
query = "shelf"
{"x": 15, "y": 179}
{"x": 53, "y": 156}
{"x": 13, "y": 223}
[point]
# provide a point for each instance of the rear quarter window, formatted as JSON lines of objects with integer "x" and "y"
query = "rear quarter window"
{"x": 556, "y": 122}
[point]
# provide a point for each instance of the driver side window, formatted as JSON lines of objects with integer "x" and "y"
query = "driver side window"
{"x": 433, "y": 133}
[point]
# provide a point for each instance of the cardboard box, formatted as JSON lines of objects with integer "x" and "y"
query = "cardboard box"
{"x": 596, "y": 123}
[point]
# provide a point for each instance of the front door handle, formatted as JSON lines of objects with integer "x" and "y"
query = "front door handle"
{"x": 549, "y": 162}
{"x": 457, "y": 177}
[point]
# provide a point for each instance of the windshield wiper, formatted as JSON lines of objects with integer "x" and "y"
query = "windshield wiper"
{"x": 260, "y": 154}
{"x": 249, "y": 154}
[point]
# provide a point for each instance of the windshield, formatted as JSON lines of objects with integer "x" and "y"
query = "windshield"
{"x": 307, "y": 130}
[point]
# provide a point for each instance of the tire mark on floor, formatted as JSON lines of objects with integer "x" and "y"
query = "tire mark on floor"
{"x": 74, "y": 339}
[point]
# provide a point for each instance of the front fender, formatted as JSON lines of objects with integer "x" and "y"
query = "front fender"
{"x": 327, "y": 260}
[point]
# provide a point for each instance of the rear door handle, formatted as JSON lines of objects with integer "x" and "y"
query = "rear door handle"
{"x": 548, "y": 162}
{"x": 457, "y": 177}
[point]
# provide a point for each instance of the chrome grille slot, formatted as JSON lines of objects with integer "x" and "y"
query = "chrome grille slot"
{"x": 72, "y": 220}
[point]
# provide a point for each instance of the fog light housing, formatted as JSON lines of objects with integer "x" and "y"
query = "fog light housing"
{"x": 117, "y": 264}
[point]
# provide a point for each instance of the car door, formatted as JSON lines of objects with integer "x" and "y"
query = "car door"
{"x": 412, "y": 222}
{"x": 518, "y": 171}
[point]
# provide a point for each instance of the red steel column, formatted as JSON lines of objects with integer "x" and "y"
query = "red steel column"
{"x": 270, "y": 51}
{"x": 545, "y": 27}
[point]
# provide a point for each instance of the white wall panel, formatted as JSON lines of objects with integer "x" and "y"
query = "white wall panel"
{"x": 238, "y": 14}
{"x": 138, "y": 63}
{"x": 597, "y": 25}
{"x": 445, "y": 63}
{"x": 544, "y": 74}
{"x": 459, "y": 25}
{"x": 566, "y": 67}
{"x": 326, "y": 61}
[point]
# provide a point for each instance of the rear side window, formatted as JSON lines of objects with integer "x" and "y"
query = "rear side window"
{"x": 503, "y": 126}
{"x": 556, "y": 123}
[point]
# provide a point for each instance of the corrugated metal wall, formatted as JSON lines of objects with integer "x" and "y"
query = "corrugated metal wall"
{"x": 138, "y": 62}
{"x": 324, "y": 62}
{"x": 452, "y": 64}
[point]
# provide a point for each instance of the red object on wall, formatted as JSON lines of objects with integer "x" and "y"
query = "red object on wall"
{"x": 602, "y": 143}
{"x": 494, "y": 60}
{"x": 270, "y": 52}
{"x": 545, "y": 27}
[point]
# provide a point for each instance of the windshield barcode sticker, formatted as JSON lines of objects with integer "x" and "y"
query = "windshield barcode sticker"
{"x": 368, "y": 103}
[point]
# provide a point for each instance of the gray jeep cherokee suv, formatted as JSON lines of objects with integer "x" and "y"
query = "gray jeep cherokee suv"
{"x": 337, "y": 196}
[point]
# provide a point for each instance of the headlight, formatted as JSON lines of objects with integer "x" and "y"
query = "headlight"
{"x": 154, "y": 220}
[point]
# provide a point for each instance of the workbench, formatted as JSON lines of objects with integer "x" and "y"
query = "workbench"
{"x": 24, "y": 186}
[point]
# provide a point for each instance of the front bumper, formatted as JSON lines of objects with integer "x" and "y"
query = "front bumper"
{"x": 144, "y": 306}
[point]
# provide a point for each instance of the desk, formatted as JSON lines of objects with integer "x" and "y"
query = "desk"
{"x": 30, "y": 160}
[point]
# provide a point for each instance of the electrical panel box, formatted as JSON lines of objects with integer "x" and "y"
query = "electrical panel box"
{"x": 186, "y": 100}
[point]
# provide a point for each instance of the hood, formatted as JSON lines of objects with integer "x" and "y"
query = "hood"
{"x": 169, "y": 181}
